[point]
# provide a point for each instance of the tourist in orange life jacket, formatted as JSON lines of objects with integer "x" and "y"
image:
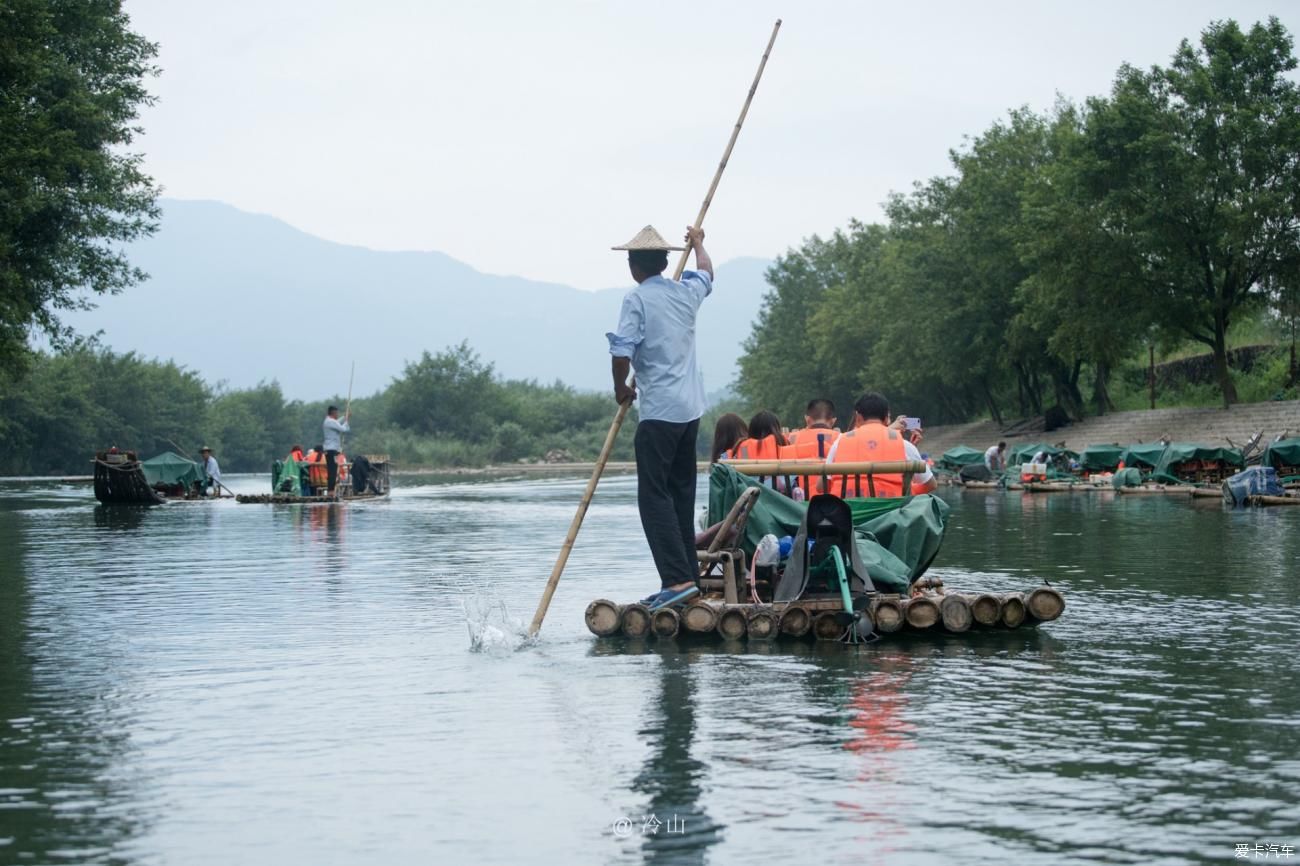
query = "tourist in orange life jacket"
{"x": 729, "y": 431}
{"x": 873, "y": 440}
{"x": 765, "y": 439}
{"x": 296, "y": 455}
{"x": 317, "y": 471}
{"x": 814, "y": 441}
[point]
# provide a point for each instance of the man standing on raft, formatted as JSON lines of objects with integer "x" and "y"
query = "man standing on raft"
{"x": 656, "y": 337}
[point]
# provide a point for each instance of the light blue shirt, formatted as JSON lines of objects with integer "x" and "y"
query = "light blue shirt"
{"x": 331, "y": 440}
{"x": 656, "y": 329}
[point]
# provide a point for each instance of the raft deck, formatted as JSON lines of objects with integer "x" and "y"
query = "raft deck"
{"x": 953, "y": 612}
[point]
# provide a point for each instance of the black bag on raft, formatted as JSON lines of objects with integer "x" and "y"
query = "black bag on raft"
{"x": 975, "y": 472}
{"x": 360, "y": 475}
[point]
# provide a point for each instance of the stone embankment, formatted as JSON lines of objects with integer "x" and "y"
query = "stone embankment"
{"x": 1204, "y": 426}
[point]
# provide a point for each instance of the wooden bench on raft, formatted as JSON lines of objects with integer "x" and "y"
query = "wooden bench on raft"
{"x": 805, "y": 469}
{"x": 718, "y": 563}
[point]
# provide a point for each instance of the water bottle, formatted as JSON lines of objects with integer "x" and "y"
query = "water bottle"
{"x": 797, "y": 494}
{"x": 768, "y": 552}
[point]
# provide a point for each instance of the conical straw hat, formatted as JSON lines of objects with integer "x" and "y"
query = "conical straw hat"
{"x": 648, "y": 239}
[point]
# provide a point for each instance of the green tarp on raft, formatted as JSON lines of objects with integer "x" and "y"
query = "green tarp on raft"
{"x": 955, "y": 458}
{"x": 1284, "y": 453}
{"x": 286, "y": 476}
{"x": 1143, "y": 456}
{"x": 171, "y": 468}
{"x": 1181, "y": 452}
{"x": 1101, "y": 458}
{"x": 897, "y": 538}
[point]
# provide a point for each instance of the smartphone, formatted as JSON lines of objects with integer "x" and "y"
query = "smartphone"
{"x": 912, "y": 424}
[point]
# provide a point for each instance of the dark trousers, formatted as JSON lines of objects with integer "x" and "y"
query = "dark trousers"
{"x": 665, "y": 496}
{"x": 332, "y": 468}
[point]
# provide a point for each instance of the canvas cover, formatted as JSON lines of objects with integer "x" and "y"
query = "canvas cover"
{"x": 1130, "y": 476}
{"x": 1255, "y": 481}
{"x": 897, "y": 539}
{"x": 1181, "y": 452}
{"x": 1143, "y": 456}
{"x": 1283, "y": 453}
{"x": 286, "y": 476}
{"x": 955, "y": 458}
{"x": 1101, "y": 458}
{"x": 171, "y": 468}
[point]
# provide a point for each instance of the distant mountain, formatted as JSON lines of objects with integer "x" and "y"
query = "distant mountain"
{"x": 242, "y": 297}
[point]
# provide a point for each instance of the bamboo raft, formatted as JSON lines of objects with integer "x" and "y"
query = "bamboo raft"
{"x": 950, "y": 612}
{"x": 294, "y": 499}
{"x": 1262, "y": 500}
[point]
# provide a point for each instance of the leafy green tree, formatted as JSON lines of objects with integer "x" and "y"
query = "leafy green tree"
{"x": 452, "y": 393}
{"x": 71, "y": 191}
{"x": 1194, "y": 173}
{"x": 779, "y": 369}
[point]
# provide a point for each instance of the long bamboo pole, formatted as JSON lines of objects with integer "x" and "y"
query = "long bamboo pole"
{"x": 621, "y": 415}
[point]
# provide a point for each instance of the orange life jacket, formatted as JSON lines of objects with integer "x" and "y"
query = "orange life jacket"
{"x": 341, "y": 461}
{"x": 296, "y": 456}
{"x": 872, "y": 442}
{"x": 810, "y": 443}
{"x": 317, "y": 471}
{"x": 757, "y": 449}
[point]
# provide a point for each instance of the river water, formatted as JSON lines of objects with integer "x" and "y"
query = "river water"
{"x": 221, "y": 683}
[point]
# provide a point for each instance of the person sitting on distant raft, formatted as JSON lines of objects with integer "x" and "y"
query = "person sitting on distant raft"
{"x": 873, "y": 440}
{"x": 296, "y": 455}
{"x": 995, "y": 458}
{"x": 656, "y": 335}
{"x": 317, "y": 474}
{"x": 729, "y": 431}
{"x": 814, "y": 441}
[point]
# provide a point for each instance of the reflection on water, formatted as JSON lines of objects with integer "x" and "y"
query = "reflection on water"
{"x": 304, "y": 674}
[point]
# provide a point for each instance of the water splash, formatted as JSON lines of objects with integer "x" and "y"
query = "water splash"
{"x": 492, "y": 628}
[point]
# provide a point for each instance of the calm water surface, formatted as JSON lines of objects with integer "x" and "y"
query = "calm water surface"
{"x": 215, "y": 684}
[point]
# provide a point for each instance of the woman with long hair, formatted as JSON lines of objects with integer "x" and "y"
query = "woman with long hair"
{"x": 727, "y": 434}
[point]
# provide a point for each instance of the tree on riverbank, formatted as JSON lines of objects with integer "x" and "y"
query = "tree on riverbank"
{"x": 71, "y": 192}
{"x": 1062, "y": 244}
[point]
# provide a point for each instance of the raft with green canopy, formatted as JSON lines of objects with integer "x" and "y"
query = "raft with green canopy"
{"x": 1284, "y": 456}
{"x": 955, "y": 458}
{"x": 1190, "y": 463}
{"x": 1143, "y": 456}
{"x": 171, "y": 469}
{"x": 1101, "y": 458}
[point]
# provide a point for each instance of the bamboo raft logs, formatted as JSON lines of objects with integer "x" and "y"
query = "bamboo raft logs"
{"x": 1262, "y": 500}
{"x": 295, "y": 499}
{"x": 950, "y": 612}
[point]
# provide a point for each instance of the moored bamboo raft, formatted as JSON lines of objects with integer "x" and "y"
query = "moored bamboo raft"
{"x": 950, "y": 612}
{"x": 1156, "y": 490}
{"x": 1263, "y": 500}
{"x": 294, "y": 499}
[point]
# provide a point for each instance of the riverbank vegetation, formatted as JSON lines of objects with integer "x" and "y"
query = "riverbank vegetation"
{"x": 1064, "y": 248}
{"x": 446, "y": 409}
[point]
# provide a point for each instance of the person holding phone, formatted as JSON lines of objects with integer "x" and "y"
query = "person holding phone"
{"x": 876, "y": 438}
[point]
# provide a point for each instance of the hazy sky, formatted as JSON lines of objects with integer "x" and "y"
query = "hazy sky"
{"x": 527, "y": 138}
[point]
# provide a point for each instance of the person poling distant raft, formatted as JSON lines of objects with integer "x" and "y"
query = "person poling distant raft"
{"x": 656, "y": 335}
